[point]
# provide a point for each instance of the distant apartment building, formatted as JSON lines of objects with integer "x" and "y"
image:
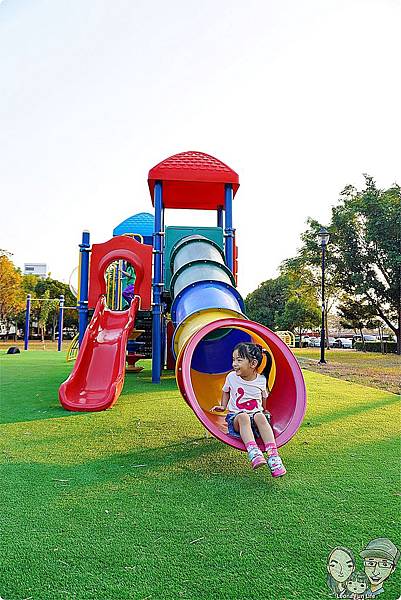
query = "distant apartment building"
{"x": 39, "y": 269}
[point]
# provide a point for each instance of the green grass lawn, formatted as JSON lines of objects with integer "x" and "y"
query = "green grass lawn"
{"x": 137, "y": 503}
{"x": 368, "y": 368}
{"x": 352, "y": 357}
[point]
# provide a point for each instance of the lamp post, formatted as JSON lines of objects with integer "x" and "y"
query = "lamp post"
{"x": 324, "y": 237}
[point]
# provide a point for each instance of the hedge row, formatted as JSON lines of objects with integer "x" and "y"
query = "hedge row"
{"x": 388, "y": 347}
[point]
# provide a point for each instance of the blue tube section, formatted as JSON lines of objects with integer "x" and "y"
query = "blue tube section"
{"x": 27, "y": 319}
{"x": 220, "y": 222}
{"x": 215, "y": 355}
{"x": 205, "y": 294}
{"x": 157, "y": 285}
{"x": 84, "y": 249}
{"x": 229, "y": 231}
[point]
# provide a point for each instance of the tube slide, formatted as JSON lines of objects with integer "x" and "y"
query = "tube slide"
{"x": 97, "y": 379}
{"x": 209, "y": 319}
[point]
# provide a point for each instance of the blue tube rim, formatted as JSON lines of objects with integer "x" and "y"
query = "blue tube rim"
{"x": 215, "y": 283}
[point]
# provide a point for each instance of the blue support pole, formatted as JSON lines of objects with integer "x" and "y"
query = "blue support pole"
{"x": 220, "y": 222}
{"x": 60, "y": 323}
{"x": 27, "y": 319}
{"x": 84, "y": 249}
{"x": 228, "y": 230}
{"x": 157, "y": 284}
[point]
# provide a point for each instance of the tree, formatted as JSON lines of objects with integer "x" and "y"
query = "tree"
{"x": 357, "y": 315}
{"x": 45, "y": 308}
{"x": 268, "y": 301}
{"x": 56, "y": 289}
{"x": 363, "y": 257}
{"x": 11, "y": 295}
{"x": 286, "y": 302}
{"x": 366, "y": 249}
{"x": 299, "y": 314}
{"x": 306, "y": 267}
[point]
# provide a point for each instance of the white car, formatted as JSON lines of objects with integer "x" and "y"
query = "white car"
{"x": 342, "y": 343}
{"x": 315, "y": 342}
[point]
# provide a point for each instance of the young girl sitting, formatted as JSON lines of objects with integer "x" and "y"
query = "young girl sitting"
{"x": 245, "y": 395}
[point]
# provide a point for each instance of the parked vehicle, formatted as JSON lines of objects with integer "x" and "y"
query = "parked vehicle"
{"x": 342, "y": 343}
{"x": 315, "y": 342}
{"x": 367, "y": 338}
{"x": 305, "y": 341}
{"x": 68, "y": 333}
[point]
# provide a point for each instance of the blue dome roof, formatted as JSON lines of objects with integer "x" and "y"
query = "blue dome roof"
{"x": 143, "y": 223}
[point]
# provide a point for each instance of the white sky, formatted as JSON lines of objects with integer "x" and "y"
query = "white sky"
{"x": 300, "y": 97}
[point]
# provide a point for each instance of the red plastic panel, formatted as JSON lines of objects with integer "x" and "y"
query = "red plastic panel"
{"x": 126, "y": 248}
{"x": 193, "y": 180}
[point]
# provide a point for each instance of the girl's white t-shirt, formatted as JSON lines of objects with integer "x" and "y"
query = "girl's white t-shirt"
{"x": 245, "y": 395}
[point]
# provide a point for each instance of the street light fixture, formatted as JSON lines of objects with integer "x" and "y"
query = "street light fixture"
{"x": 324, "y": 237}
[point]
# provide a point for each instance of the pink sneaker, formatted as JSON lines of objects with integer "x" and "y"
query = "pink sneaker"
{"x": 258, "y": 461}
{"x": 276, "y": 466}
{"x": 255, "y": 456}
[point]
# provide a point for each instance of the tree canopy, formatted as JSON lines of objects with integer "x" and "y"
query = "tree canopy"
{"x": 268, "y": 301}
{"x": 14, "y": 288}
{"x": 287, "y": 302}
{"x": 363, "y": 257}
{"x": 366, "y": 248}
{"x": 11, "y": 293}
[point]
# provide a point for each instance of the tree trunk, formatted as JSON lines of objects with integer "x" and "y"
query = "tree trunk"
{"x": 380, "y": 330}
{"x": 54, "y": 328}
{"x": 326, "y": 328}
{"x": 363, "y": 340}
{"x": 42, "y": 330}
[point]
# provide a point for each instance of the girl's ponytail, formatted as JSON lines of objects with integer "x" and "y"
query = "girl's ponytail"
{"x": 268, "y": 366}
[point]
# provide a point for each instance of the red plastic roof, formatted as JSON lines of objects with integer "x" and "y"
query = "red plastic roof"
{"x": 193, "y": 180}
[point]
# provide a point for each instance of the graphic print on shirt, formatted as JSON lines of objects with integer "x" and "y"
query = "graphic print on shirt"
{"x": 247, "y": 404}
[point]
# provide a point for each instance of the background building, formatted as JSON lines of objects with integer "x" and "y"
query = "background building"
{"x": 39, "y": 269}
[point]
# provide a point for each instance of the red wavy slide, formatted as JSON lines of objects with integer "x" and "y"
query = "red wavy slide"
{"x": 97, "y": 378}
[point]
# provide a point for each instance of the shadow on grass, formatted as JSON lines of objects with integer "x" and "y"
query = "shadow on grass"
{"x": 173, "y": 513}
{"x": 43, "y": 402}
{"x": 204, "y": 459}
{"x": 328, "y": 417}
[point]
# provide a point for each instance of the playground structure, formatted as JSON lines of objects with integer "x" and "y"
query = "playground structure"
{"x": 194, "y": 281}
{"x": 288, "y": 338}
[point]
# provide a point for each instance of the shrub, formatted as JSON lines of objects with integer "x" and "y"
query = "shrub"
{"x": 388, "y": 347}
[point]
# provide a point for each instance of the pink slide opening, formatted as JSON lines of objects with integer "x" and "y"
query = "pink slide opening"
{"x": 287, "y": 400}
{"x": 98, "y": 375}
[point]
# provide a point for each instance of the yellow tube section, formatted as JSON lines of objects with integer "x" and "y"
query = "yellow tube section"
{"x": 196, "y": 321}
